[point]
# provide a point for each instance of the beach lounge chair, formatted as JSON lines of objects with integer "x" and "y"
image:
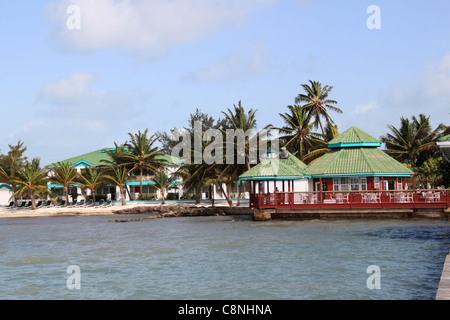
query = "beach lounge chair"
{"x": 62, "y": 204}
{"x": 21, "y": 205}
{"x": 90, "y": 203}
{"x": 81, "y": 203}
{"x": 107, "y": 204}
{"x": 11, "y": 205}
{"x": 74, "y": 204}
{"x": 100, "y": 204}
{"x": 47, "y": 204}
{"x": 38, "y": 204}
{"x": 27, "y": 205}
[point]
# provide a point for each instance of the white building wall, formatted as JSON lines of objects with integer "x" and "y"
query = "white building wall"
{"x": 5, "y": 195}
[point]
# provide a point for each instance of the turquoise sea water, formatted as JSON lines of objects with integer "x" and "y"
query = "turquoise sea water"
{"x": 220, "y": 258}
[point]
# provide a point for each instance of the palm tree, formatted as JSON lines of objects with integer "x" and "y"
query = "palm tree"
{"x": 65, "y": 174}
{"x": 10, "y": 164}
{"x": 238, "y": 120}
{"x": 142, "y": 155}
{"x": 317, "y": 103}
{"x": 321, "y": 145}
{"x": 31, "y": 179}
{"x": 413, "y": 141}
{"x": 92, "y": 179}
{"x": 118, "y": 176}
{"x": 192, "y": 175}
{"x": 162, "y": 182}
{"x": 298, "y": 136}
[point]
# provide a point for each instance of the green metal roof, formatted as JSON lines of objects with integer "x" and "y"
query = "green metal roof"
{"x": 354, "y": 137}
{"x": 272, "y": 169}
{"x": 4, "y": 185}
{"x": 444, "y": 138}
{"x": 276, "y": 169}
{"x": 95, "y": 158}
{"x": 357, "y": 161}
{"x": 295, "y": 162}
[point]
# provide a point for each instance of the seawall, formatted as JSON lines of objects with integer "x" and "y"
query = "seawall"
{"x": 348, "y": 214}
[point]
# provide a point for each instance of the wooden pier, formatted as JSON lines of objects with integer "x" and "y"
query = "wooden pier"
{"x": 443, "y": 292}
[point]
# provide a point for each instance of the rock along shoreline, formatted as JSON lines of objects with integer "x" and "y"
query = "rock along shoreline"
{"x": 164, "y": 211}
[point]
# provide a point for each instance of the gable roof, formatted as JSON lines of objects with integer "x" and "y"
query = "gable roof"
{"x": 354, "y": 137}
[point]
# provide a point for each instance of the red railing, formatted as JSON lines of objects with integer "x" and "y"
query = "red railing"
{"x": 436, "y": 198}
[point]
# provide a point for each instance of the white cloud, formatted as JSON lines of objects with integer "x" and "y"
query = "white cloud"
{"x": 72, "y": 90}
{"x": 231, "y": 67}
{"x": 365, "y": 108}
{"x": 146, "y": 26}
{"x": 72, "y": 114}
{"x": 75, "y": 96}
{"x": 429, "y": 94}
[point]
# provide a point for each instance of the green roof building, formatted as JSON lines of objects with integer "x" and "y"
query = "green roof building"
{"x": 100, "y": 158}
{"x": 355, "y": 163}
{"x": 274, "y": 177}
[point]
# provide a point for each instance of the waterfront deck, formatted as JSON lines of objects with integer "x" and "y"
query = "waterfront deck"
{"x": 405, "y": 199}
{"x": 443, "y": 292}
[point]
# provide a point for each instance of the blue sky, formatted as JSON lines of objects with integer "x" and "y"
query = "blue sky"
{"x": 148, "y": 64}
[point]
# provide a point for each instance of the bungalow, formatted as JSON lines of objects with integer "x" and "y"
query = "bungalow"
{"x": 354, "y": 173}
{"x": 100, "y": 158}
{"x": 275, "y": 175}
{"x": 354, "y": 163}
{"x": 5, "y": 193}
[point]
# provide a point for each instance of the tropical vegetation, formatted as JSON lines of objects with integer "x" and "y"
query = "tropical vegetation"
{"x": 307, "y": 127}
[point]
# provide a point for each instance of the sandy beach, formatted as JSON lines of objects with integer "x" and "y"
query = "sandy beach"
{"x": 64, "y": 211}
{"x": 55, "y": 211}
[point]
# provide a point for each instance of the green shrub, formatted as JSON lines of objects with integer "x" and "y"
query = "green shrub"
{"x": 188, "y": 196}
{"x": 147, "y": 196}
{"x": 172, "y": 196}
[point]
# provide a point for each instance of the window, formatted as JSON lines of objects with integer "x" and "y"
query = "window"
{"x": 335, "y": 184}
{"x": 376, "y": 182}
{"x": 354, "y": 184}
{"x": 399, "y": 183}
{"x": 363, "y": 182}
{"x": 344, "y": 184}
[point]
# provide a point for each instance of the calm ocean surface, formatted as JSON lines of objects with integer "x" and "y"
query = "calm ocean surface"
{"x": 220, "y": 258}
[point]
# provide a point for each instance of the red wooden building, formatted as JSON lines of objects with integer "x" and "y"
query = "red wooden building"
{"x": 355, "y": 173}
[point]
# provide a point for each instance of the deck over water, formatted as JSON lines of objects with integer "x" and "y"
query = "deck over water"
{"x": 443, "y": 292}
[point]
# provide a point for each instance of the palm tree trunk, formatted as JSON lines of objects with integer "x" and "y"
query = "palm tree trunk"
{"x": 197, "y": 195}
{"x": 226, "y": 194}
{"x": 140, "y": 184}
{"x": 163, "y": 196}
{"x": 13, "y": 190}
{"x": 321, "y": 127}
{"x": 122, "y": 194}
{"x": 239, "y": 195}
{"x": 33, "y": 202}
{"x": 66, "y": 190}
